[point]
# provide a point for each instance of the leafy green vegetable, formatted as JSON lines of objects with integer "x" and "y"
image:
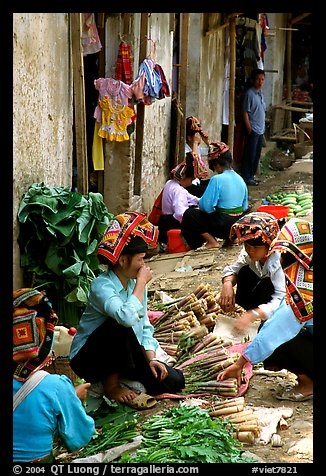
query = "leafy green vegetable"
{"x": 59, "y": 234}
{"x": 186, "y": 434}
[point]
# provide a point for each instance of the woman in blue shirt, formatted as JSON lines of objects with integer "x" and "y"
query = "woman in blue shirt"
{"x": 52, "y": 409}
{"x": 114, "y": 340}
{"x": 286, "y": 338}
{"x": 222, "y": 204}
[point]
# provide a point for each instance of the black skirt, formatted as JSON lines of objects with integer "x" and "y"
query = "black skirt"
{"x": 113, "y": 348}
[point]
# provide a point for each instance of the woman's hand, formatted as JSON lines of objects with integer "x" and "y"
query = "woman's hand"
{"x": 233, "y": 371}
{"x": 227, "y": 297}
{"x": 158, "y": 369}
{"x": 82, "y": 390}
{"x": 244, "y": 321}
{"x": 145, "y": 273}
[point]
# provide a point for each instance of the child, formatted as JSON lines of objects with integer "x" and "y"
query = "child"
{"x": 259, "y": 278}
{"x": 53, "y": 407}
{"x": 114, "y": 340}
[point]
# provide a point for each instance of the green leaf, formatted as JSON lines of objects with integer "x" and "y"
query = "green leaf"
{"x": 98, "y": 207}
{"x": 92, "y": 247}
{"x": 53, "y": 259}
{"x": 73, "y": 270}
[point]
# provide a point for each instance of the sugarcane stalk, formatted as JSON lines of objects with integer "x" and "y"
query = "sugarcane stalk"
{"x": 201, "y": 289}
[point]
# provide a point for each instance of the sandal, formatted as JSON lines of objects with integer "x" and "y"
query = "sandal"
{"x": 142, "y": 402}
{"x": 293, "y": 396}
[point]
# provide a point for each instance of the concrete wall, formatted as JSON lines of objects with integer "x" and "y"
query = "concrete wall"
{"x": 42, "y": 108}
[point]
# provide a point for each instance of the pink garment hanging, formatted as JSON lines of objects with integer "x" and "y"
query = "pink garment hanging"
{"x": 90, "y": 39}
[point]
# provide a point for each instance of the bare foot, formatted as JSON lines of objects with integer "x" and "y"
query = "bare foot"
{"x": 211, "y": 241}
{"x": 211, "y": 246}
{"x": 120, "y": 394}
{"x": 113, "y": 390}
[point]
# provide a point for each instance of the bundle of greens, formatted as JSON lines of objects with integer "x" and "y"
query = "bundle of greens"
{"x": 186, "y": 434}
{"x": 58, "y": 238}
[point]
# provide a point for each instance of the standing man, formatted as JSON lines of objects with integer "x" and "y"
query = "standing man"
{"x": 254, "y": 111}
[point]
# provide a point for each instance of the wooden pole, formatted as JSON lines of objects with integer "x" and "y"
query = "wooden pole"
{"x": 79, "y": 102}
{"x": 232, "y": 29}
{"x": 289, "y": 71}
{"x": 183, "y": 83}
{"x": 140, "y": 108}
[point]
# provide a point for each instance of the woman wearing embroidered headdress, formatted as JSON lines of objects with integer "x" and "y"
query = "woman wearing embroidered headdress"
{"x": 194, "y": 137}
{"x": 222, "y": 204}
{"x": 46, "y": 406}
{"x": 258, "y": 276}
{"x": 286, "y": 338}
{"x": 176, "y": 199}
{"x": 114, "y": 340}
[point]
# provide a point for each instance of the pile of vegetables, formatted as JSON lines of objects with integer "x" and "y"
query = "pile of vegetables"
{"x": 300, "y": 203}
{"x": 246, "y": 427}
{"x": 200, "y": 373}
{"x": 186, "y": 434}
{"x": 59, "y": 234}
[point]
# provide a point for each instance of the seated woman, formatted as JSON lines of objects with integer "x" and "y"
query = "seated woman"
{"x": 114, "y": 340}
{"x": 258, "y": 276}
{"x": 46, "y": 406}
{"x": 224, "y": 201}
{"x": 176, "y": 199}
{"x": 286, "y": 338}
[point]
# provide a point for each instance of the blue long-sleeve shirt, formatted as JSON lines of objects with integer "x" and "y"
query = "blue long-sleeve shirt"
{"x": 109, "y": 299}
{"x": 281, "y": 327}
{"x": 52, "y": 409}
{"x": 226, "y": 190}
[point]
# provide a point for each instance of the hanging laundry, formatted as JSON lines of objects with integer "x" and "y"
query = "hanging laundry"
{"x": 152, "y": 83}
{"x": 112, "y": 114}
{"x": 165, "y": 90}
{"x": 123, "y": 68}
{"x": 263, "y": 22}
{"x": 90, "y": 39}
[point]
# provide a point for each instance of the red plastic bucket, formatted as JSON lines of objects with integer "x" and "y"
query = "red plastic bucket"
{"x": 278, "y": 211}
{"x": 175, "y": 243}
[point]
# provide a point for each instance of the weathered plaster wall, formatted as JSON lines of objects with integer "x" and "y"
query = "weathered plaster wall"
{"x": 212, "y": 77}
{"x": 157, "y": 116}
{"x": 119, "y": 186}
{"x": 42, "y": 108}
{"x": 274, "y": 59}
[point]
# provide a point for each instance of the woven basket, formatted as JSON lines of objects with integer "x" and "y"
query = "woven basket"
{"x": 61, "y": 366}
{"x": 302, "y": 148}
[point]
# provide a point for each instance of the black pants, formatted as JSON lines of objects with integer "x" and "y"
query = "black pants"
{"x": 166, "y": 223}
{"x": 113, "y": 348}
{"x": 195, "y": 222}
{"x": 296, "y": 355}
{"x": 198, "y": 190}
{"x": 252, "y": 290}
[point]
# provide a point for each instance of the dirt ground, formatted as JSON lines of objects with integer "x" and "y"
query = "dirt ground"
{"x": 297, "y": 438}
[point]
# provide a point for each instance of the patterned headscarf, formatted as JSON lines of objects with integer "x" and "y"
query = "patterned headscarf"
{"x": 216, "y": 149}
{"x": 200, "y": 170}
{"x": 296, "y": 237}
{"x": 33, "y": 331}
{"x": 192, "y": 124}
{"x": 255, "y": 225}
{"x": 121, "y": 230}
